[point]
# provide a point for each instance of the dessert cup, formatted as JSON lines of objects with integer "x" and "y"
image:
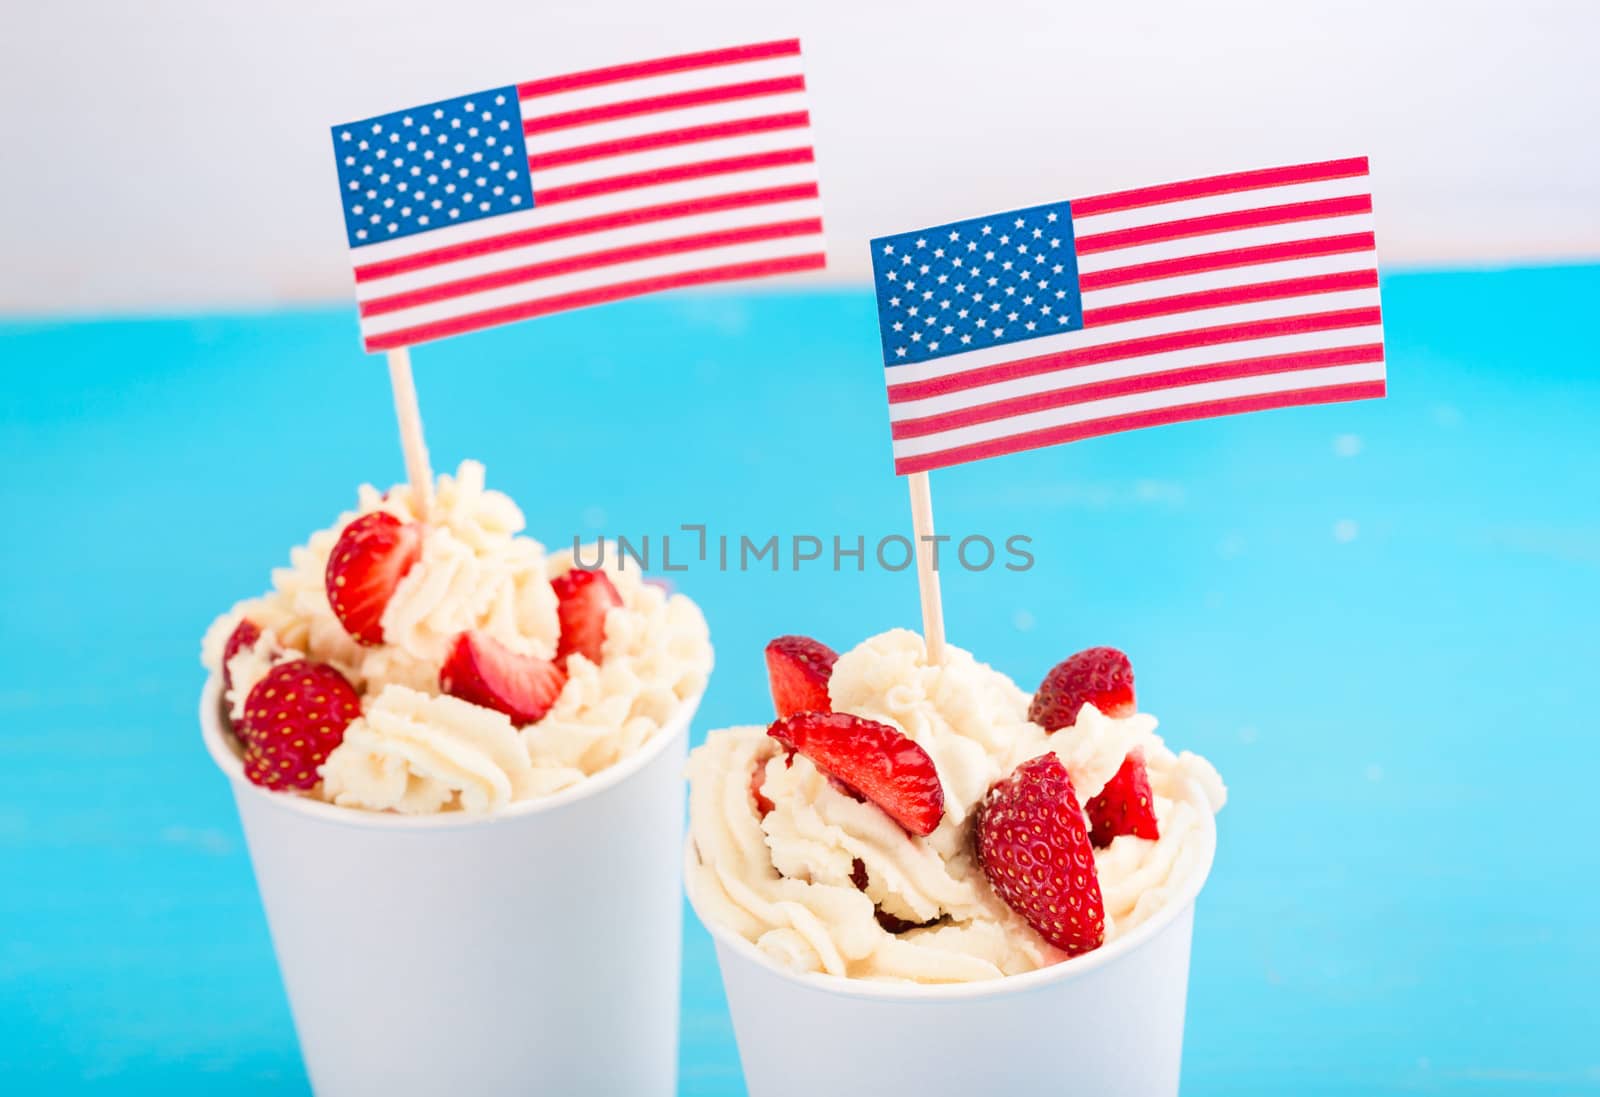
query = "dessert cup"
{"x": 534, "y": 950}
{"x": 1105, "y": 1024}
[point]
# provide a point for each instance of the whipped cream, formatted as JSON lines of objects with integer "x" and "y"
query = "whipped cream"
{"x": 415, "y": 752}
{"x": 788, "y": 882}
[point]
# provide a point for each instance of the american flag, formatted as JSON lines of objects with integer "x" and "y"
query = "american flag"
{"x": 1069, "y": 320}
{"x": 574, "y": 190}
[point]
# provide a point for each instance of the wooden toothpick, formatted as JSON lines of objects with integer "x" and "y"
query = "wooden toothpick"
{"x": 412, "y": 445}
{"x": 927, "y": 574}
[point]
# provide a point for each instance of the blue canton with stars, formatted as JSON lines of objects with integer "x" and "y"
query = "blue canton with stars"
{"x": 980, "y": 283}
{"x": 439, "y": 164}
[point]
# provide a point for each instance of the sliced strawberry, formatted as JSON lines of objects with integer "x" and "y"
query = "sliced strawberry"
{"x": 244, "y": 635}
{"x": 890, "y": 923}
{"x": 798, "y": 669}
{"x": 1102, "y": 677}
{"x": 1034, "y": 847}
{"x": 1126, "y": 805}
{"x": 583, "y": 597}
{"x": 293, "y": 719}
{"x": 758, "y": 777}
{"x": 373, "y": 554}
{"x": 873, "y": 760}
{"x": 485, "y": 672}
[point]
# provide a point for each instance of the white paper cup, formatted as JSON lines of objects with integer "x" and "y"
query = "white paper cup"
{"x": 533, "y": 951}
{"x": 1105, "y": 1024}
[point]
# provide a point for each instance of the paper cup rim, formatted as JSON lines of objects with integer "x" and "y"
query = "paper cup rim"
{"x": 1065, "y": 971}
{"x": 218, "y": 741}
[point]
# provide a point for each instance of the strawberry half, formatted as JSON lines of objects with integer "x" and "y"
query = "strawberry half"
{"x": 1034, "y": 847}
{"x": 244, "y": 635}
{"x": 798, "y": 669}
{"x": 872, "y": 760}
{"x": 1102, "y": 677}
{"x": 373, "y": 554}
{"x": 1125, "y": 806}
{"x": 486, "y": 672}
{"x": 583, "y": 597}
{"x": 293, "y": 719}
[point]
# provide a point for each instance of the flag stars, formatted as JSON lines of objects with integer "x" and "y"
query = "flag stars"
{"x": 1018, "y": 223}
{"x": 954, "y": 235}
{"x": 987, "y": 230}
{"x": 1051, "y": 216}
{"x": 921, "y": 243}
{"x": 900, "y": 352}
{"x": 938, "y": 253}
{"x": 888, "y": 249}
{"x": 894, "y": 302}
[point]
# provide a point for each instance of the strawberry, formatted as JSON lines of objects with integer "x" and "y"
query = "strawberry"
{"x": 486, "y": 672}
{"x": 244, "y": 635}
{"x": 872, "y": 760}
{"x": 583, "y": 597}
{"x": 1125, "y": 806}
{"x": 890, "y": 923}
{"x": 798, "y": 669}
{"x": 758, "y": 777}
{"x": 1102, "y": 677}
{"x": 373, "y": 554}
{"x": 293, "y": 719}
{"x": 1034, "y": 847}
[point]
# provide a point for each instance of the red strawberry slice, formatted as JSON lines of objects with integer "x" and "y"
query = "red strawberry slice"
{"x": 583, "y": 597}
{"x": 1125, "y": 806}
{"x": 758, "y": 777}
{"x": 1102, "y": 677}
{"x": 1034, "y": 847}
{"x": 891, "y": 923}
{"x": 486, "y": 672}
{"x": 873, "y": 760}
{"x": 244, "y": 635}
{"x": 293, "y": 719}
{"x": 798, "y": 669}
{"x": 373, "y": 554}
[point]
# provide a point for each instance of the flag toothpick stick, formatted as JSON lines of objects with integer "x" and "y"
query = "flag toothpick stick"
{"x": 927, "y": 574}
{"x": 410, "y": 419}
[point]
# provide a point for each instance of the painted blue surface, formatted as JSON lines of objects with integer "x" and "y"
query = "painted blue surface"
{"x": 1405, "y": 897}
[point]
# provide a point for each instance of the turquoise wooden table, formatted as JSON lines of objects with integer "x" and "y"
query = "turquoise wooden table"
{"x": 1377, "y": 619}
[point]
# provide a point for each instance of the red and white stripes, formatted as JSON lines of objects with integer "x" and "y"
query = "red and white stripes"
{"x": 1210, "y": 297}
{"x": 675, "y": 172}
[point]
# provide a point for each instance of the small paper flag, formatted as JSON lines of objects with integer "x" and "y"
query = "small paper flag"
{"x": 574, "y": 190}
{"x": 1184, "y": 301}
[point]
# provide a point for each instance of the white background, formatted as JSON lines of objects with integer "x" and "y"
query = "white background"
{"x": 173, "y": 153}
